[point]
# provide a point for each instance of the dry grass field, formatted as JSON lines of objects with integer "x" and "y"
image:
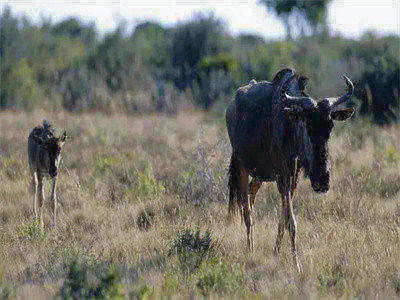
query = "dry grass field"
{"x": 143, "y": 207}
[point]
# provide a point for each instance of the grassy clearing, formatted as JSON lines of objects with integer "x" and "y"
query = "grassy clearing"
{"x": 142, "y": 213}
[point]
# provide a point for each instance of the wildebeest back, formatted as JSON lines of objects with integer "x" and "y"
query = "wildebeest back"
{"x": 255, "y": 98}
{"x": 38, "y": 160}
{"x": 249, "y": 120}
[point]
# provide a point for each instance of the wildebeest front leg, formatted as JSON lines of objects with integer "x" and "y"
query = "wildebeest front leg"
{"x": 34, "y": 186}
{"x": 288, "y": 220}
{"x": 54, "y": 200}
{"x": 292, "y": 228}
{"x": 281, "y": 226}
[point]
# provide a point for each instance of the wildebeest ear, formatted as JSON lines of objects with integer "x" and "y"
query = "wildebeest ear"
{"x": 38, "y": 139}
{"x": 282, "y": 75}
{"x": 342, "y": 114}
{"x": 302, "y": 83}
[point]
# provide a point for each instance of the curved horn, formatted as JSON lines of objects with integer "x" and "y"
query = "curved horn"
{"x": 304, "y": 103}
{"x": 347, "y": 96}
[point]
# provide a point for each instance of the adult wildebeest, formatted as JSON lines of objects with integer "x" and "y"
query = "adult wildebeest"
{"x": 275, "y": 130}
{"x": 44, "y": 150}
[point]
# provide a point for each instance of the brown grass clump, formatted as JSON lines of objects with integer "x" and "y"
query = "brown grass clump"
{"x": 131, "y": 188}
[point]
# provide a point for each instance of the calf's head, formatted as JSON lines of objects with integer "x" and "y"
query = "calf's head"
{"x": 318, "y": 118}
{"x": 52, "y": 147}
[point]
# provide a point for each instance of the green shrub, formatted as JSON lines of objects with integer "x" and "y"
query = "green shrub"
{"x": 6, "y": 290}
{"x": 84, "y": 281}
{"x": 396, "y": 282}
{"x": 191, "y": 249}
{"x": 110, "y": 286}
{"x": 144, "y": 185}
{"x": 222, "y": 279}
{"x": 392, "y": 154}
{"x": 104, "y": 163}
{"x": 144, "y": 292}
{"x": 147, "y": 185}
{"x": 170, "y": 283}
{"x": 31, "y": 230}
{"x": 331, "y": 279}
{"x": 76, "y": 283}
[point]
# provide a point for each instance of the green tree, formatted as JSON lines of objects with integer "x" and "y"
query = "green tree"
{"x": 113, "y": 59}
{"x": 151, "y": 48}
{"x": 18, "y": 85}
{"x": 74, "y": 28}
{"x": 378, "y": 74}
{"x": 22, "y": 91}
{"x": 9, "y": 37}
{"x": 303, "y": 14}
{"x": 190, "y": 43}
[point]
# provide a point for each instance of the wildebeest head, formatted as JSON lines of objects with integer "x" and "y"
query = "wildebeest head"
{"x": 52, "y": 146}
{"x": 318, "y": 119}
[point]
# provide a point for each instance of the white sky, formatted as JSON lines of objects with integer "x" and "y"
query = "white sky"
{"x": 347, "y": 17}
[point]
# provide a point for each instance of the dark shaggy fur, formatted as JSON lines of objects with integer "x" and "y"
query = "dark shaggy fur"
{"x": 44, "y": 150}
{"x": 275, "y": 130}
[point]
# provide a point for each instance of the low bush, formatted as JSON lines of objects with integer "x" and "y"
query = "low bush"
{"x": 84, "y": 281}
{"x": 222, "y": 279}
{"x": 191, "y": 249}
{"x": 31, "y": 230}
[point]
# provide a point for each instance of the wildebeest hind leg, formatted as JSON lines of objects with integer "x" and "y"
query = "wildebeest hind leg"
{"x": 245, "y": 207}
{"x": 238, "y": 196}
{"x": 233, "y": 184}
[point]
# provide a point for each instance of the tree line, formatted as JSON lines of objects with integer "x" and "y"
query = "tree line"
{"x": 69, "y": 65}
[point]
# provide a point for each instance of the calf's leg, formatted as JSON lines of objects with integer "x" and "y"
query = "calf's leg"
{"x": 41, "y": 200}
{"x": 254, "y": 186}
{"x": 54, "y": 200}
{"x": 34, "y": 185}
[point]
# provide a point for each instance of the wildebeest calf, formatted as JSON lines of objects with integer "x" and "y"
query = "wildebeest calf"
{"x": 44, "y": 150}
